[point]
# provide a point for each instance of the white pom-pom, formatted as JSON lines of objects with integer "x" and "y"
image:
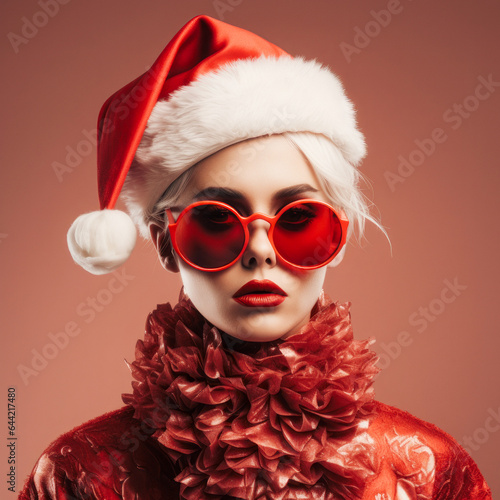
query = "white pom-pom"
{"x": 102, "y": 241}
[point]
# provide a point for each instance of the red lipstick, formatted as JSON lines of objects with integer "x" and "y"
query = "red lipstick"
{"x": 260, "y": 293}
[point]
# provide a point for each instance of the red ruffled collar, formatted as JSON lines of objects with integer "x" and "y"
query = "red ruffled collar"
{"x": 284, "y": 419}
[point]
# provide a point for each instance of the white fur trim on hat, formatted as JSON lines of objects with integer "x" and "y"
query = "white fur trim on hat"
{"x": 244, "y": 99}
{"x": 101, "y": 241}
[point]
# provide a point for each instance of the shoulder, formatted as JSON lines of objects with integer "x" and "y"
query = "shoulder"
{"x": 419, "y": 449}
{"x": 105, "y": 430}
{"x": 107, "y": 457}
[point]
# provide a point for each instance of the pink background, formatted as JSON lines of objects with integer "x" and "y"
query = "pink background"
{"x": 404, "y": 78}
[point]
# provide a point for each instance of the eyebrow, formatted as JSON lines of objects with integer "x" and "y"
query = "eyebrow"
{"x": 215, "y": 192}
{"x": 290, "y": 191}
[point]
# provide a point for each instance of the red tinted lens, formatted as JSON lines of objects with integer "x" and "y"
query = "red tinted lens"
{"x": 307, "y": 234}
{"x": 209, "y": 236}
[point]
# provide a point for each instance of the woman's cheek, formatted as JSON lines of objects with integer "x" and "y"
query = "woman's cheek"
{"x": 209, "y": 292}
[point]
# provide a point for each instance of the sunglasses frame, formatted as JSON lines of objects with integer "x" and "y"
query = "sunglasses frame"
{"x": 245, "y": 221}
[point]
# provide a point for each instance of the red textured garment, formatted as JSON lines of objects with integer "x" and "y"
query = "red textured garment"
{"x": 212, "y": 417}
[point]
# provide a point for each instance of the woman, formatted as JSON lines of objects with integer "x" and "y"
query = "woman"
{"x": 239, "y": 162}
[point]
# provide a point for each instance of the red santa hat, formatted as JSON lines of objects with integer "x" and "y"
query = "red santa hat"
{"x": 212, "y": 86}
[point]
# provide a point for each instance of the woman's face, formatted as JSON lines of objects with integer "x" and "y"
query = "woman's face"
{"x": 257, "y": 175}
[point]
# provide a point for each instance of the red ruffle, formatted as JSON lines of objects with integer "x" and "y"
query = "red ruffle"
{"x": 284, "y": 419}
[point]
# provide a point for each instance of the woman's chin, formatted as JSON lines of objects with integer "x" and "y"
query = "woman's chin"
{"x": 256, "y": 336}
{"x": 263, "y": 328}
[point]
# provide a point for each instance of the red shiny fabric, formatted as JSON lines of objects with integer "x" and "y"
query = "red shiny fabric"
{"x": 212, "y": 417}
{"x": 201, "y": 45}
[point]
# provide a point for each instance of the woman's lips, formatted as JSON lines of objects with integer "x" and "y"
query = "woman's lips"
{"x": 260, "y": 300}
{"x": 260, "y": 293}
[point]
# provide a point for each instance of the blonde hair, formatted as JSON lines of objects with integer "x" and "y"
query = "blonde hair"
{"x": 340, "y": 180}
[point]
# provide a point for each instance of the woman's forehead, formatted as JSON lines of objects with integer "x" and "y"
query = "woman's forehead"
{"x": 269, "y": 167}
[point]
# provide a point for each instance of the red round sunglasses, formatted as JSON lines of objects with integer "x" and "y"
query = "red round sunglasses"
{"x": 212, "y": 236}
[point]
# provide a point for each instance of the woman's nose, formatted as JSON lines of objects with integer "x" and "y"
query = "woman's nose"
{"x": 259, "y": 251}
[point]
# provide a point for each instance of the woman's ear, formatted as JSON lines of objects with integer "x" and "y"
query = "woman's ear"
{"x": 163, "y": 247}
{"x": 338, "y": 258}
